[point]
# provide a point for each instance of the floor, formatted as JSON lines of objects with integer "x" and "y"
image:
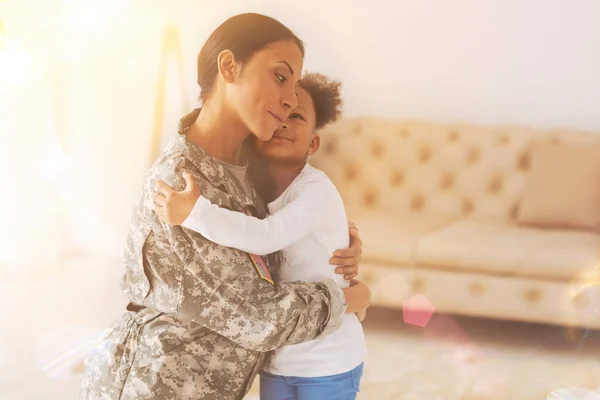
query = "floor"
{"x": 468, "y": 359}
{"x": 49, "y": 318}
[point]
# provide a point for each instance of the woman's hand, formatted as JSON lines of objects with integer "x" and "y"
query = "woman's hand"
{"x": 358, "y": 298}
{"x": 174, "y": 207}
{"x": 348, "y": 259}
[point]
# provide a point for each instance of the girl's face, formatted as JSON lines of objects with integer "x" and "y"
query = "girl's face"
{"x": 263, "y": 92}
{"x": 296, "y": 138}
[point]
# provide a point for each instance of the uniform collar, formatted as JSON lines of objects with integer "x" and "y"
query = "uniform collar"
{"x": 212, "y": 169}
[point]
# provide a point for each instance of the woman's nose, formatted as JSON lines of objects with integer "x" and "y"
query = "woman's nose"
{"x": 290, "y": 100}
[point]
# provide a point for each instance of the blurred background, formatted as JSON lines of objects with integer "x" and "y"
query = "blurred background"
{"x": 90, "y": 91}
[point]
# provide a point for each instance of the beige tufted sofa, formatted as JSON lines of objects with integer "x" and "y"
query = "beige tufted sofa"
{"x": 436, "y": 207}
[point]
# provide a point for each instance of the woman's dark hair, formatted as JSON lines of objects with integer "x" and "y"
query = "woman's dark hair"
{"x": 243, "y": 34}
{"x": 326, "y": 97}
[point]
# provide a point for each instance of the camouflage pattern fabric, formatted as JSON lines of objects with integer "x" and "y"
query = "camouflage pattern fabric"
{"x": 201, "y": 320}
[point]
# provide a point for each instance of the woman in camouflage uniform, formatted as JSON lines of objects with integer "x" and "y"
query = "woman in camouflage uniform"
{"x": 201, "y": 317}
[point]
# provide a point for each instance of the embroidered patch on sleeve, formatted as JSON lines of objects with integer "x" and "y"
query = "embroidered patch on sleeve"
{"x": 261, "y": 268}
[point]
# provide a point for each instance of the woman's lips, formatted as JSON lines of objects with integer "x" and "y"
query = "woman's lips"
{"x": 278, "y": 119}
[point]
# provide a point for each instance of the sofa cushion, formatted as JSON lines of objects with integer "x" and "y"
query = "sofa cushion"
{"x": 562, "y": 189}
{"x": 509, "y": 249}
{"x": 391, "y": 239}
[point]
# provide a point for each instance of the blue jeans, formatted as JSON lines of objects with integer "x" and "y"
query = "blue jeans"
{"x": 333, "y": 387}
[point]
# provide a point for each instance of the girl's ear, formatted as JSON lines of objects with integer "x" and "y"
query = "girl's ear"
{"x": 315, "y": 143}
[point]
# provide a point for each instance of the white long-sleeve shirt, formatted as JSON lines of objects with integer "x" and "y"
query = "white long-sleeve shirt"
{"x": 308, "y": 207}
{"x": 308, "y": 222}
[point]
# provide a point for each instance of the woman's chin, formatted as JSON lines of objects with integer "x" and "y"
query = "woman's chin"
{"x": 263, "y": 136}
{"x": 266, "y": 131}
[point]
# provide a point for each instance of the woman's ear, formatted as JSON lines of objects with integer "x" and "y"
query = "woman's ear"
{"x": 229, "y": 67}
{"x": 315, "y": 143}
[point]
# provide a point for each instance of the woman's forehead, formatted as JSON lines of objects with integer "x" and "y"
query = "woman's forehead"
{"x": 285, "y": 53}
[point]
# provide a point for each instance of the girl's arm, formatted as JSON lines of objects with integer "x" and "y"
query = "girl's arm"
{"x": 309, "y": 208}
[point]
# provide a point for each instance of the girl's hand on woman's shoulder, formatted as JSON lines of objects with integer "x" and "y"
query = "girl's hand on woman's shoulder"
{"x": 173, "y": 207}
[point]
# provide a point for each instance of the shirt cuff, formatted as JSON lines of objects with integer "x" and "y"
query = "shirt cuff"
{"x": 194, "y": 220}
{"x": 337, "y": 307}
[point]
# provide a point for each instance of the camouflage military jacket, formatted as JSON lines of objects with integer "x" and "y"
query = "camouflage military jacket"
{"x": 201, "y": 318}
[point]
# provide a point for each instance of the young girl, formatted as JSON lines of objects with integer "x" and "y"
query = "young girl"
{"x": 307, "y": 221}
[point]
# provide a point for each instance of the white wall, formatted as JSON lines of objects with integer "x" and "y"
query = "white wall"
{"x": 534, "y": 62}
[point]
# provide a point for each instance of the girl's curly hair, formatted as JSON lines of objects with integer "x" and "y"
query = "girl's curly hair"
{"x": 326, "y": 97}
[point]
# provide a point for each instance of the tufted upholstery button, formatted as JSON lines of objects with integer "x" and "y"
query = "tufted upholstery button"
{"x": 523, "y": 162}
{"x": 514, "y": 210}
{"x": 476, "y": 289}
{"x": 419, "y": 285}
{"x": 397, "y": 178}
{"x": 351, "y": 172}
{"x": 425, "y": 154}
{"x": 495, "y": 185}
{"x": 467, "y": 207}
{"x": 367, "y": 277}
{"x": 554, "y": 140}
{"x": 503, "y": 139}
{"x": 580, "y": 300}
{"x": 533, "y": 295}
{"x": 329, "y": 147}
{"x": 370, "y": 198}
{"x": 376, "y": 149}
{"x": 404, "y": 133}
{"x": 447, "y": 181}
{"x": 453, "y": 136}
{"x": 357, "y": 129}
{"x": 473, "y": 156}
{"x": 417, "y": 202}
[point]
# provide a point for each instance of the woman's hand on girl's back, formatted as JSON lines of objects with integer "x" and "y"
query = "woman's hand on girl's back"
{"x": 348, "y": 259}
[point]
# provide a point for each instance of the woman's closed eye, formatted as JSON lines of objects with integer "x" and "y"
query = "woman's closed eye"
{"x": 282, "y": 79}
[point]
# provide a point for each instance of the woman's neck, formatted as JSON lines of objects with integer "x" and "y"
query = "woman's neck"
{"x": 219, "y": 132}
{"x": 283, "y": 175}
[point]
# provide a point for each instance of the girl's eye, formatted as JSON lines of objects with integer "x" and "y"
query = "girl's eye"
{"x": 296, "y": 115}
{"x": 281, "y": 78}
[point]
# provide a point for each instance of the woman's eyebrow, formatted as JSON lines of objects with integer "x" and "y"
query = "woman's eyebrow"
{"x": 288, "y": 65}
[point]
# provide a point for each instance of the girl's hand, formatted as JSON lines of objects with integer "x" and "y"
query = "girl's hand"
{"x": 174, "y": 207}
